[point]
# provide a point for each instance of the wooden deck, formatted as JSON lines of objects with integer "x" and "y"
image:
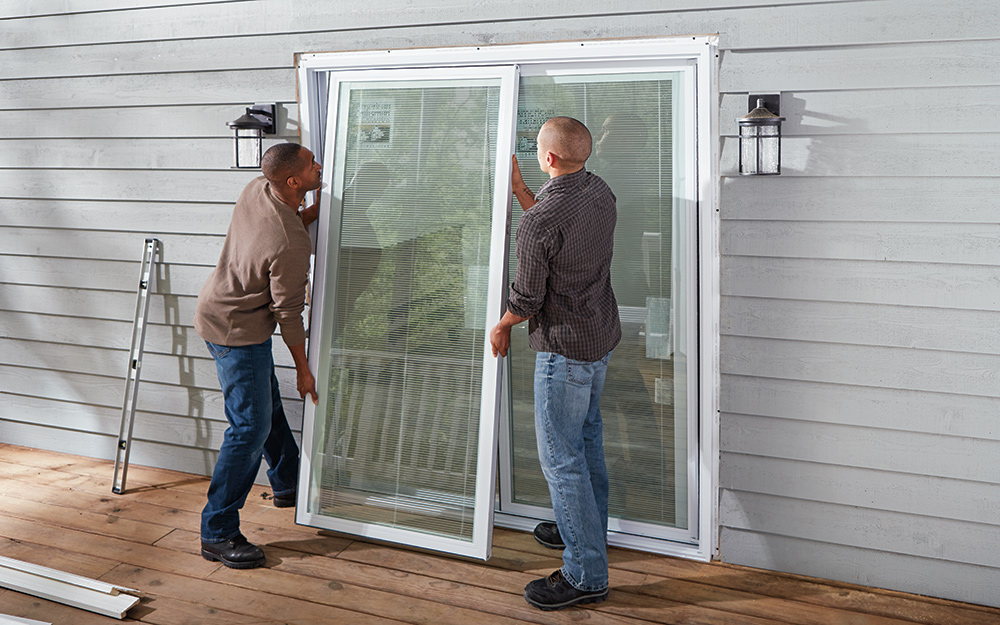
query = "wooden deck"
{"x": 58, "y": 510}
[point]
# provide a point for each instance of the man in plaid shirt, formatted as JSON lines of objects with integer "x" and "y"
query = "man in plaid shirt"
{"x": 562, "y": 287}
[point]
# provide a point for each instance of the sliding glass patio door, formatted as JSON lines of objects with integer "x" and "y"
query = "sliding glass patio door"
{"x": 641, "y": 122}
{"x": 410, "y": 275}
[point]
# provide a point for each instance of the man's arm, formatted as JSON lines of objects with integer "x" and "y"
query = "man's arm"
{"x": 304, "y": 380}
{"x": 311, "y": 214}
{"x": 289, "y": 281}
{"x": 500, "y": 334}
{"x": 525, "y": 196}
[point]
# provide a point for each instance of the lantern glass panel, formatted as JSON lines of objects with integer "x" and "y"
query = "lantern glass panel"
{"x": 248, "y": 148}
{"x": 749, "y": 146}
{"x": 768, "y": 150}
{"x": 760, "y": 149}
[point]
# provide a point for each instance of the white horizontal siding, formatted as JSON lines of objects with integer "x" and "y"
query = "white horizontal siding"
{"x": 893, "y": 241}
{"x": 958, "y": 64}
{"x": 62, "y": 8}
{"x": 860, "y": 308}
{"x": 64, "y": 243}
{"x": 133, "y": 186}
{"x": 884, "y": 282}
{"x": 919, "y": 535}
{"x": 860, "y": 289}
{"x": 83, "y": 403}
{"x": 258, "y": 40}
{"x": 862, "y": 199}
{"x": 945, "y": 329}
{"x": 115, "y": 153}
{"x": 100, "y": 274}
{"x": 203, "y": 427}
{"x": 870, "y": 567}
{"x": 181, "y": 89}
{"x": 191, "y": 371}
{"x": 826, "y": 403}
{"x": 959, "y": 154}
{"x": 862, "y": 365}
{"x": 190, "y": 459}
{"x": 878, "y": 111}
{"x": 900, "y": 492}
{"x": 194, "y": 121}
{"x": 115, "y": 305}
{"x": 257, "y": 19}
{"x": 871, "y": 446}
{"x": 150, "y": 217}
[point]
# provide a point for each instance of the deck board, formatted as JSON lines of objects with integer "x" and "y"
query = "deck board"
{"x": 58, "y": 510}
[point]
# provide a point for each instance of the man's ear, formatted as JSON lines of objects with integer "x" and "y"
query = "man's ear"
{"x": 293, "y": 182}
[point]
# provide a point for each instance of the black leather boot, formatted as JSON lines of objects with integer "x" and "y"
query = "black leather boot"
{"x": 236, "y": 553}
{"x": 547, "y": 534}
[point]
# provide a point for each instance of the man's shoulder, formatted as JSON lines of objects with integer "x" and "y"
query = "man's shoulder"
{"x": 260, "y": 223}
{"x": 574, "y": 185}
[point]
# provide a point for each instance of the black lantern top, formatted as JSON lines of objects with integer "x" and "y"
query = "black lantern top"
{"x": 760, "y": 116}
{"x": 257, "y": 117}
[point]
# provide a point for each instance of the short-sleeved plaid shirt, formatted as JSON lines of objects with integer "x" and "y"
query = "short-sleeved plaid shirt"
{"x": 563, "y": 277}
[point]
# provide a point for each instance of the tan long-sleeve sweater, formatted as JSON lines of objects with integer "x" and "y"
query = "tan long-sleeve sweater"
{"x": 260, "y": 280}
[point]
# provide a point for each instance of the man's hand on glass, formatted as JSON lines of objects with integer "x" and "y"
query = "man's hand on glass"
{"x": 525, "y": 197}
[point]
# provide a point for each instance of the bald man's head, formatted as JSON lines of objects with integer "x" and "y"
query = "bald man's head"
{"x": 567, "y": 138}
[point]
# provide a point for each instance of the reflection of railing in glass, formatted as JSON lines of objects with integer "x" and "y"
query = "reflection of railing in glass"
{"x": 392, "y": 419}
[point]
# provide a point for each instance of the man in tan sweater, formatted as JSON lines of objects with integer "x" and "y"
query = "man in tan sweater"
{"x": 258, "y": 284}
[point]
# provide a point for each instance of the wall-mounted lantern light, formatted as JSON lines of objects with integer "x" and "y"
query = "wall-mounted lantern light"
{"x": 249, "y": 132}
{"x": 760, "y": 137}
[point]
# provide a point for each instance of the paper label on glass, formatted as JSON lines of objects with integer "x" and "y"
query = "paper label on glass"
{"x": 375, "y": 124}
{"x": 529, "y": 122}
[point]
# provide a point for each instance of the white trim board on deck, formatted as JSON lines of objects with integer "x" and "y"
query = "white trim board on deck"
{"x": 73, "y": 590}
{"x": 6, "y": 619}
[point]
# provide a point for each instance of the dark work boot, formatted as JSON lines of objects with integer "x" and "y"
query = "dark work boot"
{"x": 284, "y": 501}
{"x": 236, "y": 553}
{"x": 554, "y": 593}
{"x": 547, "y": 534}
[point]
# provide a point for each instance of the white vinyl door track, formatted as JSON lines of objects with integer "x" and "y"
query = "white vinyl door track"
{"x": 73, "y": 590}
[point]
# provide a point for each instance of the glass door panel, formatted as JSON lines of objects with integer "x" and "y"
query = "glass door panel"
{"x": 402, "y": 443}
{"x": 642, "y": 148}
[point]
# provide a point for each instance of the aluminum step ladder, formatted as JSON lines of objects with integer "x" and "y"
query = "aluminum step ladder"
{"x": 150, "y": 251}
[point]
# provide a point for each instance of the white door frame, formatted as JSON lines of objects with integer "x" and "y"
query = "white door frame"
{"x": 505, "y": 77}
{"x": 314, "y": 70}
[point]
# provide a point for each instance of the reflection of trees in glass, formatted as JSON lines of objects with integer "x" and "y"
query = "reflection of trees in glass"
{"x": 636, "y": 163}
{"x": 432, "y": 222}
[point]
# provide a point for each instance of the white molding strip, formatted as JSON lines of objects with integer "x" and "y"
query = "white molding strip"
{"x": 73, "y": 590}
{"x": 6, "y": 619}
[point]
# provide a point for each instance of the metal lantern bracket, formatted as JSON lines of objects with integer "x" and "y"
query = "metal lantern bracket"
{"x": 772, "y": 102}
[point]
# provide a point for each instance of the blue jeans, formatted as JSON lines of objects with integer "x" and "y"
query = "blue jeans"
{"x": 257, "y": 426}
{"x": 571, "y": 451}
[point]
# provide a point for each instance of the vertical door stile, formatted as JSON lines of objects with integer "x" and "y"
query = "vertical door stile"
{"x": 496, "y": 300}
